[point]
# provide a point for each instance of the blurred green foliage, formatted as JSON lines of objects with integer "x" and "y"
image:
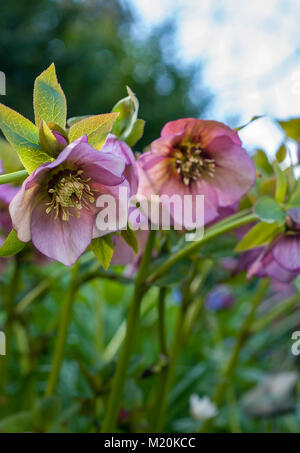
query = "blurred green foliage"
{"x": 97, "y": 52}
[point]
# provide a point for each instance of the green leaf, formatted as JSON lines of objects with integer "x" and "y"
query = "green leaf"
{"x": 17, "y": 423}
{"x": 136, "y": 132}
{"x": 12, "y": 245}
{"x": 129, "y": 237}
{"x": 96, "y": 127}
{"x": 127, "y": 126}
{"x": 294, "y": 201}
{"x": 267, "y": 187}
{"x": 291, "y": 128}
{"x": 103, "y": 249}
{"x": 281, "y": 184}
{"x": 23, "y": 135}
{"x": 75, "y": 119}
{"x": 262, "y": 162}
{"x": 261, "y": 234}
{"x": 177, "y": 274}
{"x": 281, "y": 153}
{"x": 254, "y": 118}
{"x": 48, "y": 141}
{"x": 49, "y": 101}
{"x": 45, "y": 412}
{"x": 9, "y": 157}
{"x": 269, "y": 211}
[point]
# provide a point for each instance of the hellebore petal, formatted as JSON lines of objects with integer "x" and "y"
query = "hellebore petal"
{"x": 234, "y": 173}
{"x": 287, "y": 253}
{"x": 60, "y": 240}
{"x": 20, "y": 209}
{"x": 207, "y": 129}
{"x": 120, "y": 149}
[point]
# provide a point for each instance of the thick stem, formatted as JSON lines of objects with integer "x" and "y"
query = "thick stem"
{"x": 62, "y": 332}
{"x": 115, "y": 397}
{"x": 166, "y": 379}
{"x": 233, "y": 359}
{"x": 13, "y": 177}
{"x": 162, "y": 321}
{"x": 212, "y": 233}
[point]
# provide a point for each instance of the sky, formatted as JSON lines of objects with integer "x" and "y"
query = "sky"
{"x": 251, "y": 55}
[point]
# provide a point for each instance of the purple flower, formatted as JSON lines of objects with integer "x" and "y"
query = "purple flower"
{"x": 197, "y": 157}
{"x": 220, "y": 297}
{"x": 123, "y": 254}
{"x": 60, "y": 138}
{"x": 281, "y": 259}
{"x": 121, "y": 149}
{"x": 56, "y": 205}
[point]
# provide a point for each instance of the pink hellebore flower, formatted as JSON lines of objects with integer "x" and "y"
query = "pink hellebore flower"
{"x": 197, "y": 157}
{"x": 56, "y": 206}
{"x": 281, "y": 259}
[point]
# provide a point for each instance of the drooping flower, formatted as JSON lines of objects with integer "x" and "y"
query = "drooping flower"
{"x": 197, "y": 157}
{"x": 281, "y": 259}
{"x": 56, "y": 205}
{"x": 121, "y": 149}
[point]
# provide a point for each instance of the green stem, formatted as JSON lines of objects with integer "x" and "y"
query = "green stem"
{"x": 92, "y": 275}
{"x": 119, "y": 379}
{"x": 278, "y": 311}
{"x": 212, "y": 233}
{"x": 229, "y": 370}
{"x": 162, "y": 321}
{"x": 165, "y": 381}
{"x": 13, "y": 177}
{"x": 62, "y": 332}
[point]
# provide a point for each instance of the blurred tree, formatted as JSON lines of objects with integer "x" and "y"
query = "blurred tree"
{"x": 96, "y": 54}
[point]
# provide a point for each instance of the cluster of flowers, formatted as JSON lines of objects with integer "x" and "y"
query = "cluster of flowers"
{"x": 56, "y": 206}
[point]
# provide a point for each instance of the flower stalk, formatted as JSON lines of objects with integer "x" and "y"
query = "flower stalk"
{"x": 13, "y": 177}
{"x": 62, "y": 332}
{"x": 132, "y": 322}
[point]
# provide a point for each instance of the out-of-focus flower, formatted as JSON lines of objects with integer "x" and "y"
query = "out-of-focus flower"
{"x": 220, "y": 297}
{"x": 56, "y": 205}
{"x": 197, "y": 157}
{"x": 281, "y": 259}
{"x": 273, "y": 396}
{"x": 202, "y": 409}
{"x": 125, "y": 256}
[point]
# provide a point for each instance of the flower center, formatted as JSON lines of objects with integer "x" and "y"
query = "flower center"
{"x": 69, "y": 190}
{"x": 193, "y": 163}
